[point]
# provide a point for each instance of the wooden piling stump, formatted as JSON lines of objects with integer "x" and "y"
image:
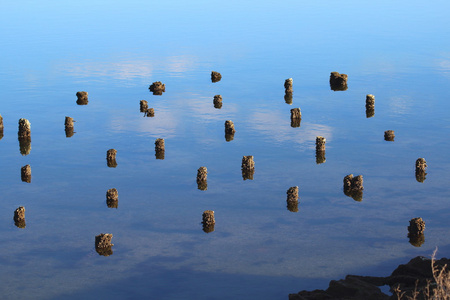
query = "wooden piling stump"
{"x": 338, "y": 82}
{"x": 288, "y": 85}
{"x": 160, "y": 149}
{"x": 112, "y": 198}
{"x": 389, "y": 135}
{"x": 248, "y": 167}
{"x": 208, "y": 221}
{"x": 421, "y": 167}
{"x": 111, "y": 158}
{"x": 150, "y": 112}
{"x": 157, "y": 88}
{"x": 19, "y": 217}
{"x": 292, "y": 199}
{"x": 143, "y": 105}
{"x": 24, "y": 128}
{"x": 202, "y": 174}
{"x": 103, "y": 244}
{"x": 353, "y": 186}
{"x": 215, "y": 76}
{"x": 217, "y": 101}
{"x": 82, "y": 98}
{"x": 25, "y": 173}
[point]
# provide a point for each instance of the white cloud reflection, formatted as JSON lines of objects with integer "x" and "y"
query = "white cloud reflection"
{"x": 277, "y": 127}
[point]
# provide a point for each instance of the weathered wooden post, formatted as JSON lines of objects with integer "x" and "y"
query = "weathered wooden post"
{"x": 292, "y": 199}
{"x": 143, "y": 105}
{"x": 150, "y": 112}
{"x": 389, "y": 135}
{"x": 229, "y": 130}
{"x": 370, "y": 106}
{"x": 215, "y": 76}
{"x": 82, "y": 98}
{"x": 103, "y": 244}
{"x": 416, "y": 230}
{"x": 157, "y": 88}
{"x": 202, "y": 174}
{"x": 338, "y": 82}
{"x": 353, "y": 187}
{"x": 421, "y": 167}
{"x": 111, "y": 158}
{"x": 296, "y": 117}
{"x": 320, "y": 149}
{"x": 19, "y": 217}
{"x": 288, "y": 90}
{"x": 24, "y": 136}
{"x": 68, "y": 127}
{"x": 217, "y": 101}
{"x": 112, "y": 198}
{"x": 248, "y": 167}
{"x": 25, "y": 173}
{"x": 208, "y": 221}
{"x": 160, "y": 149}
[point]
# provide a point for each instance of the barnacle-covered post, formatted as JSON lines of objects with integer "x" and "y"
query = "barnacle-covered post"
{"x": 421, "y": 167}
{"x": 68, "y": 127}
{"x": 25, "y": 173}
{"x": 215, "y": 76}
{"x": 320, "y": 149}
{"x": 353, "y": 187}
{"x": 338, "y": 82}
{"x": 150, "y": 112}
{"x": 217, "y": 101}
{"x": 19, "y": 217}
{"x": 1, "y": 127}
{"x": 229, "y": 130}
{"x": 157, "y": 88}
{"x": 24, "y": 136}
{"x": 103, "y": 244}
{"x": 160, "y": 149}
{"x": 292, "y": 199}
{"x": 416, "y": 230}
{"x": 143, "y": 106}
{"x": 208, "y": 221}
{"x": 370, "y": 106}
{"x": 389, "y": 135}
{"x": 82, "y": 98}
{"x": 202, "y": 174}
{"x": 248, "y": 167}
{"x": 111, "y": 158}
{"x": 296, "y": 117}
{"x": 112, "y": 198}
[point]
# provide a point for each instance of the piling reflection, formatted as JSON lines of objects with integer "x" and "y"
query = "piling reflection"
{"x": 353, "y": 187}
{"x": 292, "y": 199}
{"x": 25, "y": 145}
{"x": 111, "y": 158}
{"x": 112, "y": 198}
{"x": 215, "y": 76}
{"x": 421, "y": 166}
{"x": 103, "y": 244}
{"x": 416, "y": 230}
{"x": 248, "y": 167}
{"x": 217, "y": 101}
{"x": 160, "y": 149}
{"x": 202, "y": 183}
{"x": 296, "y": 117}
{"x": 320, "y": 157}
{"x": 19, "y": 217}
{"x": 208, "y": 221}
{"x": 338, "y": 82}
{"x": 82, "y": 98}
{"x": 157, "y": 88}
{"x": 25, "y": 173}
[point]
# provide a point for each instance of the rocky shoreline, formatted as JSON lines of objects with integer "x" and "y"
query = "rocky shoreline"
{"x": 415, "y": 275}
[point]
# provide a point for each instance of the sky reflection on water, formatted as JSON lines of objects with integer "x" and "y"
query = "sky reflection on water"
{"x": 258, "y": 249}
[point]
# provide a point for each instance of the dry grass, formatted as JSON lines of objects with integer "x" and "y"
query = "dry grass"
{"x": 438, "y": 289}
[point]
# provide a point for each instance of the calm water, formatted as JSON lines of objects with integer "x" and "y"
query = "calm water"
{"x": 400, "y": 52}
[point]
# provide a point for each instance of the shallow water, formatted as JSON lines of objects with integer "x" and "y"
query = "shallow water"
{"x": 400, "y": 52}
